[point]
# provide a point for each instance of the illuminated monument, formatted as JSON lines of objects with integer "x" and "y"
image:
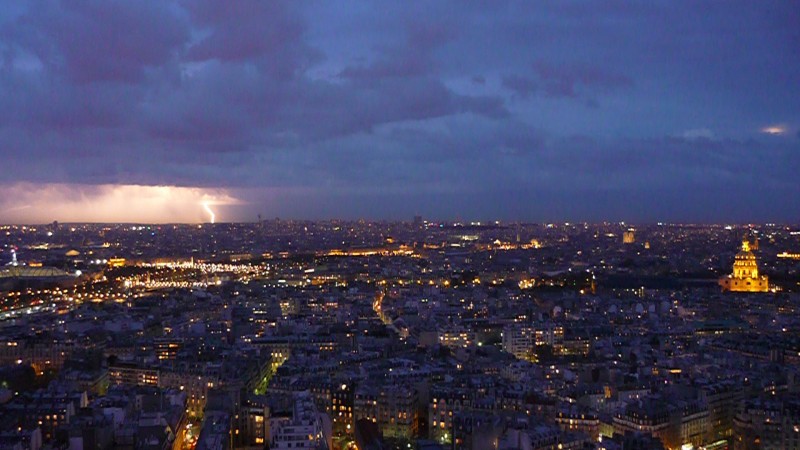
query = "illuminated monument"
{"x": 629, "y": 237}
{"x": 745, "y": 276}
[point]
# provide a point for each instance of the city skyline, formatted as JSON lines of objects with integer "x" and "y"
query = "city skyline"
{"x": 450, "y": 225}
{"x": 524, "y": 111}
{"x": 332, "y": 335}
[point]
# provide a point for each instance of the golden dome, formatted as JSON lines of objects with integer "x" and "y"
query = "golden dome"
{"x": 745, "y": 277}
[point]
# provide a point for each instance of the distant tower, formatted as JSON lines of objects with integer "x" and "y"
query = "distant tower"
{"x": 14, "y": 261}
{"x": 629, "y": 237}
{"x": 745, "y": 276}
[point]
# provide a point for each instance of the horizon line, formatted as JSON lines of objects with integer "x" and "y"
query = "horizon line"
{"x": 461, "y": 222}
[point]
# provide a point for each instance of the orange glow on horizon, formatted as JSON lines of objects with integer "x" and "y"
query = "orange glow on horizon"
{"x": 774, "y": 129}
{"x": 44, "y": 203}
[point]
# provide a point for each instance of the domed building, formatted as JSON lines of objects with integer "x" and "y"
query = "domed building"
{"x": 15, "y": 275}
{"x": 745, "y": 277}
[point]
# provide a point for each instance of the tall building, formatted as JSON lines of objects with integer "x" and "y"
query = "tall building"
{"x": 393, "y": 408}
{"x": 519, "y": 340}
{"x": 677, "y": 423}
{"x": 745, "y": 277}
{"x": 305, "y": 429}
{"x": 767, "y": 423}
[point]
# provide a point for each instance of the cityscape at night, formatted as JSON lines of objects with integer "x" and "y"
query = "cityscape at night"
{"x": 445, "y": 225}
{"x": 416, "y": 334}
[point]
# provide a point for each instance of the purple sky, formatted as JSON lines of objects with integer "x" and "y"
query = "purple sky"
{"x": 542, "y": 111}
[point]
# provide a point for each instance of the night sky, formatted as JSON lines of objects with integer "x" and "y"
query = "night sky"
{"x": 143, "y": 111}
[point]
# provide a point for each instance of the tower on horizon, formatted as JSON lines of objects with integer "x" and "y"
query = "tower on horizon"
{"x": 629, "y": 237}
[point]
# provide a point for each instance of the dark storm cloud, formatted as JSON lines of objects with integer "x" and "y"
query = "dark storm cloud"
{"x": 567, "y": 81}
{"x": 515, "y": 109}
{"x": 520, "y": 85}
{"x": 96, "y": 41}
{"x": 558, "y": 81}
{"x": 414, "y": 58}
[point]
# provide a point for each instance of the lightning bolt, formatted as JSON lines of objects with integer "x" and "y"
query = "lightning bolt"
{"x": 209, "y": 211}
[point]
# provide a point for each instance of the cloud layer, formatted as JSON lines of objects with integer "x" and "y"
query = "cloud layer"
{"x": 520, "y": 110}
